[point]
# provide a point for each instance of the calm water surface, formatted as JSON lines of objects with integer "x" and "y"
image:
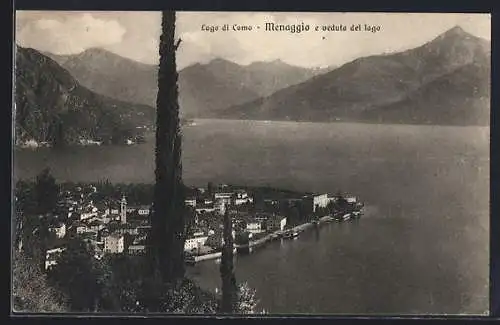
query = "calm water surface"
{"x": 423, "y": 246}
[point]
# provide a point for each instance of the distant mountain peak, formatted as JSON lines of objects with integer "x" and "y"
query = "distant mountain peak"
{"x": 443, "y": 81}
{"x": 220, "y": 63}
{"x": 273, "y": 62}
{"x": 278, "y": 61}
{"x": 220, "y": 60}
{"x": 456, "y": 32}
{"x": 97, "y": 51}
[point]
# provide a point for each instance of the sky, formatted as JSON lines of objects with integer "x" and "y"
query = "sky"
{"x": 135, "y": 35}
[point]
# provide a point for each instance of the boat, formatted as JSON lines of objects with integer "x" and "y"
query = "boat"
{"x": 346, "y": 216}
{"x": 356, "y": 214}
{"x": 327, "y": 219}
{"x": 291, "y": 235}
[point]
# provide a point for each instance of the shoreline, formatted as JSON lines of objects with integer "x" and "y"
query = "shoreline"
{"x": 265, "y": 121}
{"x": 261, "y": 241}
{"x": 207, "y": 257}
{"x": 299, "y": 228}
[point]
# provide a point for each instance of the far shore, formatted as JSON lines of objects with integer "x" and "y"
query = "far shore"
{"x": 196, "y": 122}
{"x": 340, "y": 121}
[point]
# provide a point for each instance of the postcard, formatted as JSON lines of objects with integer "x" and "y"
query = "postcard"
{"x": 265, "y": 163}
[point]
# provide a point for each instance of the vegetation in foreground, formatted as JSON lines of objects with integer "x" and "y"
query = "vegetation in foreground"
{"x": 81, "y": 283}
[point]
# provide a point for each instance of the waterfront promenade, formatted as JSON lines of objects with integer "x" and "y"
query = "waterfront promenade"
{"x": 261, "y": 241}
{"x": 276, "y": 234}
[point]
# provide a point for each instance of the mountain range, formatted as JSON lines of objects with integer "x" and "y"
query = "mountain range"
{"x": 99, "y": 95}
{"x": 51, "y": 106}
{"x": 445, "y": 81}
{"x": 204, "y": 89}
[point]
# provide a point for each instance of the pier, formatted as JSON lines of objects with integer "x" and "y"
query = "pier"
{"x": 253, "y": 244}
{"x": 247, "y": 248}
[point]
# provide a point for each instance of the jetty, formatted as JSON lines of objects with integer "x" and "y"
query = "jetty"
{"x": 205, "y": 257}
{"x": 350, "y": 210}
{"x": 246, "y": 248}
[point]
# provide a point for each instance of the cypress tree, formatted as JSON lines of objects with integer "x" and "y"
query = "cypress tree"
{"x": 167, "y": 222}
{"x": 229, "y": 288}
{"x": 46, "y": 192}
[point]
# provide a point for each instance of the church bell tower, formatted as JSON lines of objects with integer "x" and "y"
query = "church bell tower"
{"x": 123, "y": 210}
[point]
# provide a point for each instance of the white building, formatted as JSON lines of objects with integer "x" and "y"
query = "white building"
{"x": 282, "y": 224}
{"x": 224, "y": 197}
{"x": 240, "y": 201}
{"x": 82, "y": 229}
{"x": 114, "y": 244}
{"x": 52, "y": 255}
{"x": 87, "y": 215}
{"x": 276, "y": 222}
{"x": 254, "y": 227}
{"x": 143, "y": 211}
{"x": 131, "y": 209}
{"x": 194, "y": 242}
{"x": 241, "y": 194}
{"x": 242, "y": 197}
{"x": 59, "y": 230}
{"x": 198, "y": 233}
{"x": 351, "y": 199}
{"x": 320, "y": 201}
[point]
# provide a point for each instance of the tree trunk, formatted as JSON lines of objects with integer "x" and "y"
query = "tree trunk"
{"x": 229, "y": 287}
{"x": 167, "y": 224}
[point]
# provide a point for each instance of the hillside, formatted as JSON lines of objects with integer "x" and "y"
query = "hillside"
{"x": 204, "y": 88}
{"x": 445, "y": 81}
{"x": 112, "y": 75}
{"x": 461, "y": 97}
{"x": 207, "y": 88}
{"x": 51, "y": 106}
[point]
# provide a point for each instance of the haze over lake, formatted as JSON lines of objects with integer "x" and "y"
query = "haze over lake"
{"x": 423, "y": 248}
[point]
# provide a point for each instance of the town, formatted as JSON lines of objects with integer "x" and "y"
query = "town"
{"x": 110, "y": 224}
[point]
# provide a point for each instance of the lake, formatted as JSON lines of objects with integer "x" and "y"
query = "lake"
{"x": 422, "y": 248}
